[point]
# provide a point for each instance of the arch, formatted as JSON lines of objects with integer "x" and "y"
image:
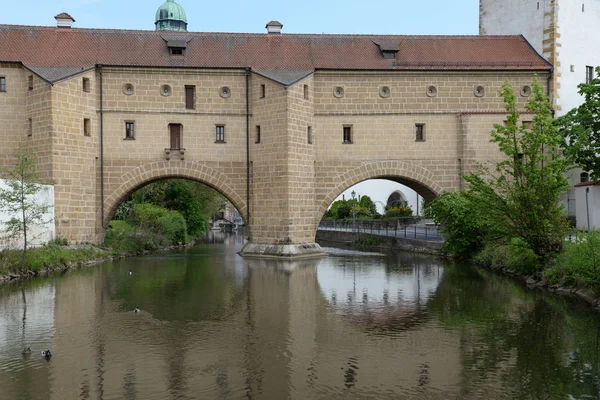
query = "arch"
{"x": 396, "y": 197}
{"x": 154, "y": 171}
{"x": 417, "y": 178}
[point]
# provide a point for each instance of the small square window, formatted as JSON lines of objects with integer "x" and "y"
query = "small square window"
{"x": 306, "y": 92}
{"x": 2, "y": 84}
{"x": 86, "y": 85}
{"x": 527, "y": 125}
{"x": 309, "y": 136}
{"x": 257, "y": 134}
{"x": 589, "y": 74}
{"x": 263, "y": 91}
{"x": 30, "y": 82}
{"x": 129, "y": 130}
{"x": 220, "y": 134}
{"x": 176, "y": 51}
{"x": 29, "y": 127}
{"x": 347, "y": 134}
{"x": 419, "y": 132}
{"x": 86, "y": 127}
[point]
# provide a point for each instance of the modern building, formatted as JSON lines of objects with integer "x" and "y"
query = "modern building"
{"x": 566, "y": 33}
{"x": 280, "y": 124}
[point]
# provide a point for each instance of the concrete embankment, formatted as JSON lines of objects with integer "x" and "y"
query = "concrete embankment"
{"x": 377, "y": 242}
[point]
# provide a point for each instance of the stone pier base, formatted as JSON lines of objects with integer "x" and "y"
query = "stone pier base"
{"x": 282, "y": 251}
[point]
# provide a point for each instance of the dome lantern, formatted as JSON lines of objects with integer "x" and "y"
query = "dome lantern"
{"x": 171, "y": 17}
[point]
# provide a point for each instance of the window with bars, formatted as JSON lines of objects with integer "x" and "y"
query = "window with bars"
{"x": 129, "y": 130}
{"x": 220, "y": 134}
{"x": 419, "y": 132}
{"x": 347, "y": 134}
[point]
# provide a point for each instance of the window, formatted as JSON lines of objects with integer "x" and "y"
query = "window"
{"x": 527, "y": 125}
{"x": 589, "y": 74}
{"x": 309, "y": 137}
{"x": 86, "y": 127}
{"x": 347, "y": 134}
{"x": 86, "y": 85}
{"x": 257, "y": 134}
{"x": 190, "y": 94}
{"x": 2, "y": 84}
{"x": 419, "y": 132}
{"x": 263, "y": 91}
{"x": 306, "y": 92}
{"x": 30, "y": 82}
{"x": 220, "y": 134}
{"x": 175, "y": 133}
{"x": 176, "y": 51}
{"x": 29, "y": 127}
{"x": 129, "y": 130}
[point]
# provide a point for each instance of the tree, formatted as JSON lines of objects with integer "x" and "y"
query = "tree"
{"x": 580, "y": 129}
{"x": 20, "y": 201}
{"x": 366, "y": 203}
{"x": 519, "y": 198}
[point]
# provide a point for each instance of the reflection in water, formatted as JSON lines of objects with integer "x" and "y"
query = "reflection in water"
{"x": 214, "y": 325}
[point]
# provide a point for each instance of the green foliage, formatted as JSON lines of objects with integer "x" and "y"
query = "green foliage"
{"x": 580, "y": 129}
{"x": 369, "y": 207}
{"x": 465, "y": 230}
{"x": 20, "y": 199}
{"x": 50, "y": 256}
{"x": 196, "y": 202}
{"x": 167, "y": 223}
{"x": 520, "y": 196}
{"x": 516, "y": 256}
{"x": 398, "y": 211}
{"x": 579, "y": 263}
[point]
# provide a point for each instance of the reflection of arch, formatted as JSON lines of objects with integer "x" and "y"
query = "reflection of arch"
{"x": 417, "y": 178}
{"x": 397, "y": 198}
{"x": 154, "y": 171}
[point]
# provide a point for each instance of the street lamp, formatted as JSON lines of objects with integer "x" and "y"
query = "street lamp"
{"x": 353, "y": 194}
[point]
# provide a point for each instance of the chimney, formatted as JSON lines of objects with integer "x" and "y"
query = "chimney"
{"x": 64, "y": 20}
{"x": 274, "y": 27}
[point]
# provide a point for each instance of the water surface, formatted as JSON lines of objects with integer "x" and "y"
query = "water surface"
{"x": 349, "y": 326}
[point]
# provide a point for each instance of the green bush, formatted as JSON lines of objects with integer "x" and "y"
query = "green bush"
{"x": 464, "y": 229}
{"x": 516, "y": 256}
{"x": 579, "y": 262}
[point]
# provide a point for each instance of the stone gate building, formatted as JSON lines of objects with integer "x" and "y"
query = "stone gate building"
{"x": 279, "y": 123}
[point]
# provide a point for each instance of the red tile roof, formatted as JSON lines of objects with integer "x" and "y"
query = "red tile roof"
{"x": 283, "y": 57}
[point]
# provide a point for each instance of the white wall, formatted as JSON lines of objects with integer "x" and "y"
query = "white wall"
{"x": 579, "y": 46}
{"x": 514, "y": 17}
{"x": 593, "y": 206}
{"x": 38, "y": 234}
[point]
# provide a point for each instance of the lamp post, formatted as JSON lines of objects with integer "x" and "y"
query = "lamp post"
{"x": 353, "y": 194}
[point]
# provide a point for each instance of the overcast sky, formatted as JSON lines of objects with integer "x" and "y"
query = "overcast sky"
{"x": 446, "y": 17}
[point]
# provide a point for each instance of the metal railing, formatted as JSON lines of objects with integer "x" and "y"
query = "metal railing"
{"x": 410, "y": 228}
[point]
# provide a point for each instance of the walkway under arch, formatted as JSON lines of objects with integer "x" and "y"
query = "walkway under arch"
{"x": 411, "y": 175}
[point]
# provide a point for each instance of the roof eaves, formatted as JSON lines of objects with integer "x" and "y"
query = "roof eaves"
{"x": 536, "y": 52}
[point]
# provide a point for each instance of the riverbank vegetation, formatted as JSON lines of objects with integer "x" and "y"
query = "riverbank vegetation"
{"x": 161, "y": 215}
{"x": 510, "y": 215}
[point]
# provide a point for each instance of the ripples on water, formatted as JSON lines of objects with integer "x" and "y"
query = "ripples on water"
{"x": 352, "y": 325}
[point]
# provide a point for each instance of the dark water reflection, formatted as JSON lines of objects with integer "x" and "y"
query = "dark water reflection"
{"x": 216, "y": 326}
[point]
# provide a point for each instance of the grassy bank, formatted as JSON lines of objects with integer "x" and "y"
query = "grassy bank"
{"x": 122, "y": 240}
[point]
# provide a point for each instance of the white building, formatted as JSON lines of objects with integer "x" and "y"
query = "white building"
{"x": 566, "y": 33}
{"x": 37, "y": 234}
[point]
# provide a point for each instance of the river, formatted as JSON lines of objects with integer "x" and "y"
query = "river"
{"x": 349, "y": 326}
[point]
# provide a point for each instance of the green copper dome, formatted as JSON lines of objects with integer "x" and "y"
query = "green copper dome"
{"x": 171, "y": 17}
